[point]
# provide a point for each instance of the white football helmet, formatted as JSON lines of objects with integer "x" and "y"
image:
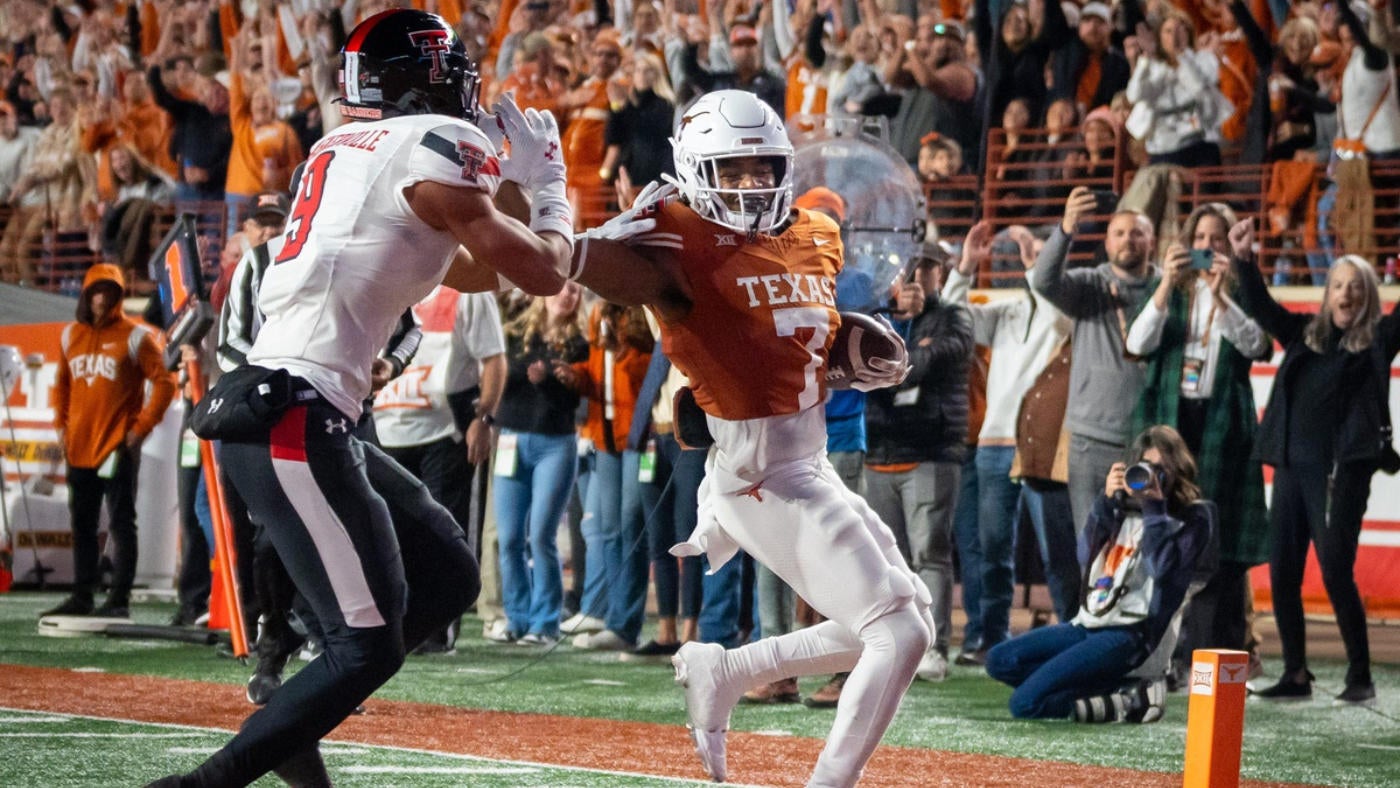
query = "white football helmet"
{"x": 728, "y": 124}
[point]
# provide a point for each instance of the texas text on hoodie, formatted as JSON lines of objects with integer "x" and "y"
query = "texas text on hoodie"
{"x": 99, "y": 395}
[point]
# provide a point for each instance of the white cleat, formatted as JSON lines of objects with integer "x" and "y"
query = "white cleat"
{"x": 708, "y": 702}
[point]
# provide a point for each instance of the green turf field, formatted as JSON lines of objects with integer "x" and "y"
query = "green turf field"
{"x": 1310, "y": 743}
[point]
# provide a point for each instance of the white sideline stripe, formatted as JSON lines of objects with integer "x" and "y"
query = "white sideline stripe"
{"x": 31, "y": 720}
{"x": 90, "y": 735}
{"x": 390, "y": 769}
{"x": 605, "y": 682}
{"x": 414, "y": 750}
{"x": 337, "y": 552}
{"x": 1380, "y": 538}
{"x": 1386, "y": 747}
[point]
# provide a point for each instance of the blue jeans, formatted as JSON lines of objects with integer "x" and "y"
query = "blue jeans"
{"x": 670, "y": 519}
{"x": 969, "y": 551}
{"x": 601, "y": 525}
{"x": 996, "y": 525}
{"x": 1321, "y": 260}
{"x": 719, "y": 610}
{"x": 529, "y": 504}
{"x": 627, "y": 576}
{"x": 1053, "y": 666}
{"x": 1047, "y": 504}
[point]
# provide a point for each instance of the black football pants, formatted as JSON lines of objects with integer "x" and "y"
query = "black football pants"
{"x": 380, "y": 563}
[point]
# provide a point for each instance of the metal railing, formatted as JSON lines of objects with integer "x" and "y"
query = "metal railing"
{"x": 1028, "y": 188}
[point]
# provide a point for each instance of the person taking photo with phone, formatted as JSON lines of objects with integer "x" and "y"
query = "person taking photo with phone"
{"x": 1139, "y": 549}
{"x": 1199, "y": 347}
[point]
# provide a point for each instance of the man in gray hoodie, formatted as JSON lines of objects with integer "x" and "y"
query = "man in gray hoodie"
{"x": 1105, "y": 380}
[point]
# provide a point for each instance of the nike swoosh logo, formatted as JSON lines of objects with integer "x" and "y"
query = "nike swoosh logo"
{"x": 820, "y": 241}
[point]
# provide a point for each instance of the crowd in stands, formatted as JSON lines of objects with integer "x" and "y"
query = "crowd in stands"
{"x": 116, "y": 115}
{"x": 1037, "y": 129}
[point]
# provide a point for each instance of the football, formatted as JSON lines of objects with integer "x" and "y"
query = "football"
{"x": 859, "y": 339}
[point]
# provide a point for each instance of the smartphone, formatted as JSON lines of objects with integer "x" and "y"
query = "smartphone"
{"x": 1201, "y": 259}
{"x": 1107, "y": 201}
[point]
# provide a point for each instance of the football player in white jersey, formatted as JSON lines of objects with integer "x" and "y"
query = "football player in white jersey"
{"x": 743, "y": 286}
{"x": 387, "y": 209}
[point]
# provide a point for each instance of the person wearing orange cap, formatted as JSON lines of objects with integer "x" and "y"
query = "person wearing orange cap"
{"x": 102, "y": 415}
{"x": 587, "y": 109}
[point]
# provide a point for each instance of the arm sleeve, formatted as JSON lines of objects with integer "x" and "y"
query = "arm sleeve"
{"x": 1376, "y": 58}
{"x": 693, "y": 72}
{"x": 164, "y": 98}
{"x": 1146, "y": 333}
{"x": 1259, "y": 45}
{"x": 62, "y": 385}
{"x": 482, "y": 320}
{"x": 1237, "y": 329}
{"x": 404, "y": 342}
{"x": 1256, "y": 302}
{"x": 816, "y": 53}
{"x": 162, "y": 381}
{"x": 1068, "y": 291}
{"x": 1096, "y": 529}
{"x": 237, "y": 324}
{"x": 455, "y": 154}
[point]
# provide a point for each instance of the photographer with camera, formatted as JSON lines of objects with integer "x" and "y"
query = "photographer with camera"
{"x": 1325, "y": 431}
{"x": 1139, "y": 550}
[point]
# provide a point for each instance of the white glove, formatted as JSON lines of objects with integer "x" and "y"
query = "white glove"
{"x": 536, "y": 157}
{"x": 536, "y": 162}
{"x": 880, "y": 372}
{"x": 636, "y": 220}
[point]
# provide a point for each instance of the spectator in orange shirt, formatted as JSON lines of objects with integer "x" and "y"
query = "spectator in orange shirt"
{"x": 533, "y": 79}
{"x": 587, "y": 109}
{"x": 265, "y": 148}
{"x": 102, "y": 416}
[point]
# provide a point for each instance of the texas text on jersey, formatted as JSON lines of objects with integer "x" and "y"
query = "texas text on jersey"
{"x": 744, "y": 294}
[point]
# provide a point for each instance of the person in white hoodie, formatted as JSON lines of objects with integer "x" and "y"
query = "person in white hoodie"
{"x": 1175, "y": 90}
{"x": 1024, "y": 334}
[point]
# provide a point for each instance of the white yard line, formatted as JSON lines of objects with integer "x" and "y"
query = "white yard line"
{"x": 336, "y": 744}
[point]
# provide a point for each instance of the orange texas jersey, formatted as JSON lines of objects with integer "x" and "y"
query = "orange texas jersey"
{"x": 754, "y": 342}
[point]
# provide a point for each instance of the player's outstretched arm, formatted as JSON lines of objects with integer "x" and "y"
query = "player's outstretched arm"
{"x": 622, "y": 275}
{"x": 534, "y": 262}
{"x": 605, "y": 261}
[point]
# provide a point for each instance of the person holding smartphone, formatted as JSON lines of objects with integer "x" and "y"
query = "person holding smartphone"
{"x": 1199, "y": 346}
{"x": 1138, "y": 549}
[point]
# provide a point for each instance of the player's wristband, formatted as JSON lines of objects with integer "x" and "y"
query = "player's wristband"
{"x": 550, "y": 211}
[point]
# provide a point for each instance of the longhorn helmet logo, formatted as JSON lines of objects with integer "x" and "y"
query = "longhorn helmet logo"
{"x": 434, "y": 45}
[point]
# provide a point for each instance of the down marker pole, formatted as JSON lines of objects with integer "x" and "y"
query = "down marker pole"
{"x": 1215, "y": 718}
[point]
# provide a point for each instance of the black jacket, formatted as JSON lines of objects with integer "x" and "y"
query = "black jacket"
{"x": 1068, "y": 66}
{"x": 932, "y": 426}
{"x": 201, "y": 138}
{"x": 1366, "y": 378}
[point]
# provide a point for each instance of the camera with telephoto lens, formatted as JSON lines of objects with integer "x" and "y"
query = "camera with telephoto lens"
{"x": 1139, "y": 477}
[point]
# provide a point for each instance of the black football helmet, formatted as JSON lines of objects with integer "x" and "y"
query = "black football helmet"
{"x": 406, "y": 62}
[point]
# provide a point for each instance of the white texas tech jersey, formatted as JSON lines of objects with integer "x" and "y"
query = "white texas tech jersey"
{"x": 355, "y": 255}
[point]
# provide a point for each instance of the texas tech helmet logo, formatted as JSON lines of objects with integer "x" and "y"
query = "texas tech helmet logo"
{"x": 434, "y": 45}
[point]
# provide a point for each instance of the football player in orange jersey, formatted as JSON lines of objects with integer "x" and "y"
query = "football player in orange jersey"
{"x": 743, "y": 287}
